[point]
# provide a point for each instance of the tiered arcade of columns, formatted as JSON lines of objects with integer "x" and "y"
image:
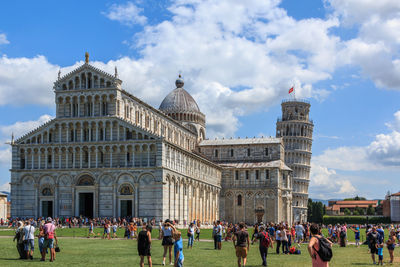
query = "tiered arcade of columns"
{"x": 296, "y": 129}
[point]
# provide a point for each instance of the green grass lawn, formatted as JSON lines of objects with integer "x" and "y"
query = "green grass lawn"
{"x": 96, "y": 252}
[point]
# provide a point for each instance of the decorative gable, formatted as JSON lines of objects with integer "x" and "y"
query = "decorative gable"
{"x": 87, "y": 77}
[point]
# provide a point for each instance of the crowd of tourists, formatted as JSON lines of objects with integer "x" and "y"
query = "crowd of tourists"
{"x": 282, "y": 238}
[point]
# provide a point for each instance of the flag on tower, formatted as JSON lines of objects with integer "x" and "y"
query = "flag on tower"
{"x": 291, "y": 90}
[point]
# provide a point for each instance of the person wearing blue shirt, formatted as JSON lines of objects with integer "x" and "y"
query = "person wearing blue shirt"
{"x": 356, "y": 235}
{"x": 380, "y": 253}
{"x": 178, "y": 249}
{"x": 381, "y": 233}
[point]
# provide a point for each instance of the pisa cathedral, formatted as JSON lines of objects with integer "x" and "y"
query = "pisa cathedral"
{"x": 108, "y": 153}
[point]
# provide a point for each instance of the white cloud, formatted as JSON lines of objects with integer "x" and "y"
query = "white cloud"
{"x": 376, "y": 44}
{"x": 27, "y": 81}
{"x": 326, "y": 183}
{"x": 128, "y": 14}
{"x": 236, "y": 57}
{"x": 3, "y": 39}
{"x": 381, "y": 155}
{"x": 5, "y": 187}
{"x": 19, "y": 128}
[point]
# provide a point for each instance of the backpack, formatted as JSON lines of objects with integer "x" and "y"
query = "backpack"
{"x": 266, "y": 241}
{"x": 325, "y": 250}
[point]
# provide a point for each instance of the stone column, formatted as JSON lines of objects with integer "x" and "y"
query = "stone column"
{"x": 66, "y": 158}
{"x": 89, "y": 157}
{"x": 45, "y": 158}
{"x": 97, "y": 132}
{"x": 111, "y": 154}
{"x": 26, "y": 159}
{"x": 39, "y": 158}
{"x": 136, "y": 199}
{"x": 80, "y": 157}
{"x": 52, "y": 158}
{"x": 97, "y": 157}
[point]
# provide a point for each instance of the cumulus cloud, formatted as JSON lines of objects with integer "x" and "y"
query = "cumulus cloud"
{"x": 18, "y": 128}
{"x": 128, "y": 14}
{"x": 376, "y": 43}
{"x": 27, "y": 81}
{"x": 3, "y": 39}
{"x": 326, "y": 183}
{"x": 5, "y": 187}
{"x": 382, "y": 154}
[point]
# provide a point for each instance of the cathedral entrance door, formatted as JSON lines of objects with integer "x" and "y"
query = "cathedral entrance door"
{"x": 47, "y": 209}
{"x": 126, "y": 208}
{"x": 86, "y": 204}
{"x": 260, "y": 214}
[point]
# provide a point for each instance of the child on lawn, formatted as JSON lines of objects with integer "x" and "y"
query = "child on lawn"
{"x": 178, "y": 249}
{"x": 380, "y": 253}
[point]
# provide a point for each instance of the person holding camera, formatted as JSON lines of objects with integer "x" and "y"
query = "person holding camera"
{"x": 167, "y": 241}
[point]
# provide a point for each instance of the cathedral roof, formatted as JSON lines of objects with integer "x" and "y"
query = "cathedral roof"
{"x": 179, "y": 100}
{"x": 246, "y": 165}
{"x": 244, "y": 141}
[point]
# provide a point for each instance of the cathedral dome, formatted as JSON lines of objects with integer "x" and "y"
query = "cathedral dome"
{"x": 179, "y": 100}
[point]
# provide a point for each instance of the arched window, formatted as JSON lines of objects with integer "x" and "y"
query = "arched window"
{"x": 86, "y": 180}
{"x": 126, "y": 190}
{"x": 248, "y": 152}
{"x": 216, "y": 153}
{"x": 239, "y": 200}
{"x": 47, "y": 192}
{"x": 231, "y": 152}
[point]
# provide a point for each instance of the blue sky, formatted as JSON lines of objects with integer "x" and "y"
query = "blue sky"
{"x": 238, "y": 60}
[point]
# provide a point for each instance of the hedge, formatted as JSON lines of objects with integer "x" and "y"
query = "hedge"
{"x": 355, "y": 219}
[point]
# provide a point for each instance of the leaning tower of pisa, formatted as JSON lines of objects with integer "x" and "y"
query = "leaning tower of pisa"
{"x": 296, "y": 128}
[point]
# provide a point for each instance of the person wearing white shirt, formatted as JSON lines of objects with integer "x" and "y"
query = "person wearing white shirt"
{"x": 299, "y": 233}
{"x": 29, "y": 241}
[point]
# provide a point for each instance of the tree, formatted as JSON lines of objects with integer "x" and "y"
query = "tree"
{"x": 360, "y": 211}
{"x": 355, "y": 198}
{"x": 316, "y": 211}
{"x": 309, "y": 209}
{"x": 347, "y": 212}
{"x": 370, "y": 210}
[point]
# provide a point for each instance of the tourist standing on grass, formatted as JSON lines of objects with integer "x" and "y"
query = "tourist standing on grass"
{"x": 190, "y": 234}
{"x": 373, "y": 238}
{"x": 219, "y": 235}
{"x": 50, "y": 236}
{"x": 167, "y": 242}
{"x": 197, "y": 232}
{"x": 144, "y": 244}
{"x": 160, "y": 224}
{"x": 391, "y": 244}
{"x": 315, "y": 246}
{"x": 241, "y": 237}
{"x": 278, "y": 238}
{"x": 379, "y": 247}
{"x": 284, "y": 240}
{"x": 91, "y": 229}
{"x": 19, "y": 236}
{"x": 255, "y": 232}
{"x": 41, "y": 238}
{"x": 265, "y": 242}
{"x": 178, "y": 249}
{"x": 214, "y": 235}
{"x": 114, "y": 229}
{"x": 356, "y": 231}
{"x": 299, "y": 233}
{"x": 29, "y": 242}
